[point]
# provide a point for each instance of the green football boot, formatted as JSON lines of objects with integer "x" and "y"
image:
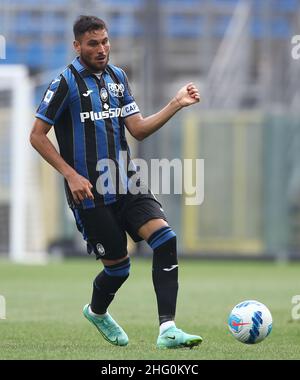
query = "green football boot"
{"x": 176, "y": 338}
{"x": 108, "y": 328}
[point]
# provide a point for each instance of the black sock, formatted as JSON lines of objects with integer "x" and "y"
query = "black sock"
{"x": 106, "y": 285}
{"x": 165, "y": 272}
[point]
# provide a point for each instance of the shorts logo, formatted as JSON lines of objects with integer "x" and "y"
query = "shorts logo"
{"x": 103, "y": 94}
{"x": 100, "y": 249}
{"x": 116, "y": 89}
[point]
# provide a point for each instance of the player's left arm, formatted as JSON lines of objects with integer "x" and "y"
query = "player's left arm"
{"x": 141, "y": 128}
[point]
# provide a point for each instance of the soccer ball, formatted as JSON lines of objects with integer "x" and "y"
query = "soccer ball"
{"x": 250, "y": 322}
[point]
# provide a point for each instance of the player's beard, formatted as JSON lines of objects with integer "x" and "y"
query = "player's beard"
{"x": 93, "y": 66}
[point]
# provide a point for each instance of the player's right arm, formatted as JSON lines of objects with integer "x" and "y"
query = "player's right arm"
{"x": 79, "y": 186}
{"x": 53, "y": 104}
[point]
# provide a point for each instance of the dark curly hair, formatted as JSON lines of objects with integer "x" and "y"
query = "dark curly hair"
{"x": 86, "y": 24}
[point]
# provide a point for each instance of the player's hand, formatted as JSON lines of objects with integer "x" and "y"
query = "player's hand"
{"x": 80, "y": 188}
{"x": 188, "y": 95}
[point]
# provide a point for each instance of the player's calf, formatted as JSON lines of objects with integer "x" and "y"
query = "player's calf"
{"x": 105, "y": 286}
{"x": 107, "y": 283}
{"x": 165, "y": 272}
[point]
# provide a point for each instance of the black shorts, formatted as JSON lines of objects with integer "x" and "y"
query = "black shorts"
{"x": 104, "y": 228}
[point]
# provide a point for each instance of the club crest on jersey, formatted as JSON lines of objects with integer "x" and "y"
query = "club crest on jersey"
{"x": 103, "y": 94}
{"x": 116, "y": 89}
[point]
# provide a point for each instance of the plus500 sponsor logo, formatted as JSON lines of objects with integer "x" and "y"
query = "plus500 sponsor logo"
{"x": 112, "y": 112}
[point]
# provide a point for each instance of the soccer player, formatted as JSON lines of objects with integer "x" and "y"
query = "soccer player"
{"x": 90, "y": 104}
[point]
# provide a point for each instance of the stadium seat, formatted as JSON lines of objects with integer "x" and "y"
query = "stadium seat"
{"x": 229, "y": 2}
{"x": 124, "y": 25}
{"x": 286, "y": 5}
{"x": 187, "y": 3}
{"x": 178, "y": 25}
{"x": 257, "y": 28}
{"x": 122, "y": 3}
{"x": 221, "y": 25}
{"x": 281, "y": 28}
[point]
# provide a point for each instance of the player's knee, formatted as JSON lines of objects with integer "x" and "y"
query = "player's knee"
{"x": 112, "y": 277}
{"x": 163, "y": 240}
{"x": 163, "y": 243}
{"x": 120, "y": 269}
{"x": 165, "y": 263}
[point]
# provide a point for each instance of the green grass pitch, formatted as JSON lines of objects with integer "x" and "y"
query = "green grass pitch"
{"x": 44, "y": 303}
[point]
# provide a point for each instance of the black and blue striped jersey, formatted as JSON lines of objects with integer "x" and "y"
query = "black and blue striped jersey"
{"x": 88, "y": 112}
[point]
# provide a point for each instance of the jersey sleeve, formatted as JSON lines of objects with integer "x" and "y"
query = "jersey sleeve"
{"x": 55, "y": 100}
{"x": 129, "y": 107}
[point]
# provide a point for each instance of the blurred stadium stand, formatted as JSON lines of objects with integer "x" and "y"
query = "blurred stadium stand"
{"x": 39, "y": 35}
{"x": 238, "y": 51}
